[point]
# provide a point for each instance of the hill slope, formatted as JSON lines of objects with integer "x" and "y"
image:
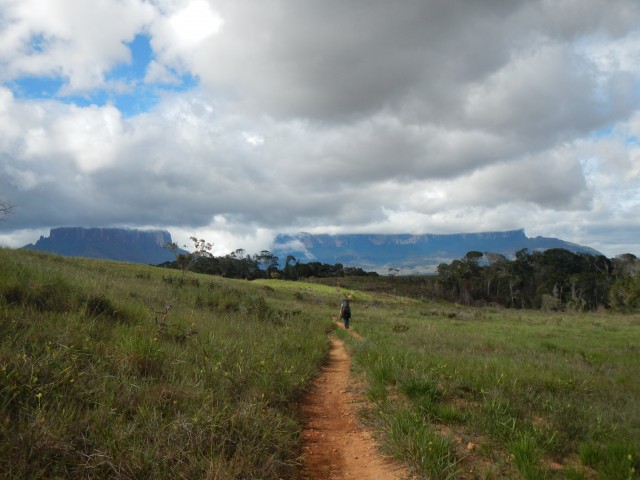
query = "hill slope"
{"x": 112, "y": 370}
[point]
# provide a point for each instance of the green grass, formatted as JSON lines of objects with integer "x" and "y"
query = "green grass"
{"x": 532, "y": 389}
{"x": 413, "y": 439}
{"x": 113, "y": 370}
{"x": 94, "y": 383}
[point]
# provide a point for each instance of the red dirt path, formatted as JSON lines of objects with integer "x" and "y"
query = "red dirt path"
{"x": 335, "y": 445}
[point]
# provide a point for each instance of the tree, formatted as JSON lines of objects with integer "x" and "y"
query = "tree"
{"x": 290, "y": 272}
{"x": 625, "y": 264}
{"x": 242, "y": 265}
{"x": 268, "y": 261}
{"x": 6, "y": 209}
{"x": 520, "y": 273}
{"x": 625, "y": 291}
{"x": 494, "y": 273}
{"x": 186, "y": 260}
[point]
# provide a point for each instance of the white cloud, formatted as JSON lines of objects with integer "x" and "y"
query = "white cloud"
{"x": 60, "y": 38}
{"x": 20, "y": 238}
{"x": 177, "y": 36}
{"x": 329, "y": 117}
{"x": 39, "y": 133}
{"x": 194, "y": 23}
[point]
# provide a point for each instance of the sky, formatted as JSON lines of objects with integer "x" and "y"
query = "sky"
{"x": 235, "y": 120}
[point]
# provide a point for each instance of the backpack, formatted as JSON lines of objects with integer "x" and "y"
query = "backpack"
{"x": 345, "y": 309}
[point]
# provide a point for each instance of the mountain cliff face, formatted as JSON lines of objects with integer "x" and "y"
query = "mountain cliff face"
{"x": 415, "y": 254}
{"x": 137, "y": 246}
{"x": 410, "y": 254}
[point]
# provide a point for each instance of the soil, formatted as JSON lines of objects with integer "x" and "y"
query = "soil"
{"x": 335, "y": 444}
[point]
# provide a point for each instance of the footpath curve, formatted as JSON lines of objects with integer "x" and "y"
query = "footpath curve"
{"x": 335, "y": 445}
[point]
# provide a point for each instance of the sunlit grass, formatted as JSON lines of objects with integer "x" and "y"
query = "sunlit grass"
{"x": 115, "y": 370}
{"x": 533, "y": 389}
{"x": 99, "y": 379}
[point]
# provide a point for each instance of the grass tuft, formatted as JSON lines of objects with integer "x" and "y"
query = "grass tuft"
{"x": 413, "y": 440}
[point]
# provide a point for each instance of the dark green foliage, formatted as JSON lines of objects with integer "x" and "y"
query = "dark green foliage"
{"x": 555, "y": 279}
{"x": 615, "y": 460}
{"x": 265, "y": 265}
{"x": 624, "y": 294}
{"x": 21, "y": 287}
{"x": 399, "y": 327}
{"x": 416, "y": 388}
{"x": 101, "y": 305}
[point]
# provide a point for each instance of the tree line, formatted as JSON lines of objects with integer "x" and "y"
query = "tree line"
{"x": 239, "y": 264}
{"x": 554, "y": 279}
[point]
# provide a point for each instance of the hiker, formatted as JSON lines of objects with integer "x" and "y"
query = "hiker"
{"x": 345, "y": 312}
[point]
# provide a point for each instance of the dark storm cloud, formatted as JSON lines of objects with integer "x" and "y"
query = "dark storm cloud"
{"x": 337, "y": 60}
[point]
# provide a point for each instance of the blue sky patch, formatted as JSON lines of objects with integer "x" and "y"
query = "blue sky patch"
{"x": 126, "y": 89}
{"x": 141, "y": 56}
{"x": 37, "y": 43}
{"x": 630, "y": 140}
{"x": 36, "y": 88}
{"x": 603, "y": 133}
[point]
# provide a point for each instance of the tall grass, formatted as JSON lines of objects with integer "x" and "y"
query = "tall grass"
{"x": 115, "y": 370}
{"x": 512, "y": 393}
{"x": 93, "y": 384}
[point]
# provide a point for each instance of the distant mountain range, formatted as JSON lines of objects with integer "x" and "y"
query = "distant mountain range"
{"x": 409, "y": 254}
{"x": 125, "y": 245}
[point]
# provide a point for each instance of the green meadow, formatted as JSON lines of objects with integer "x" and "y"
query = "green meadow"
{"x": 114, "y": 370}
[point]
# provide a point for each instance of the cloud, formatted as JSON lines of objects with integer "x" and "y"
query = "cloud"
{"x": 60, "y": 38}
{"x": 182, "y": 29}
{"x": 337, "y": 60}
{"x": 329, "y": 116}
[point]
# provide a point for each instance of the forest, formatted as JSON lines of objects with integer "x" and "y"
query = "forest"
{"x": 554, "y": 279}
{"x": 239, "y": 264}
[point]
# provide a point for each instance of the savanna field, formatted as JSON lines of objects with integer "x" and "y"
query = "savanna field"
{"x": 114, "y": 370}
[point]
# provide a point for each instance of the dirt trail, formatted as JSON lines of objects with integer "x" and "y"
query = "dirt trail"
{"x": 335, "y": 445}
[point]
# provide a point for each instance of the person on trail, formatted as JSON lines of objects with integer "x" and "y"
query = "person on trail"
{"x": 345, "y": 312}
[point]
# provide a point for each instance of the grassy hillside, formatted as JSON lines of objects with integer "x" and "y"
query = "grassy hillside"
{"x": 110, "y": 370}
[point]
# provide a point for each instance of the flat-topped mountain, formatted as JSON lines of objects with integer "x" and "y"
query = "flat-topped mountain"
{"x": 410, "y": 253}
{"x": 122, "y": 244}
